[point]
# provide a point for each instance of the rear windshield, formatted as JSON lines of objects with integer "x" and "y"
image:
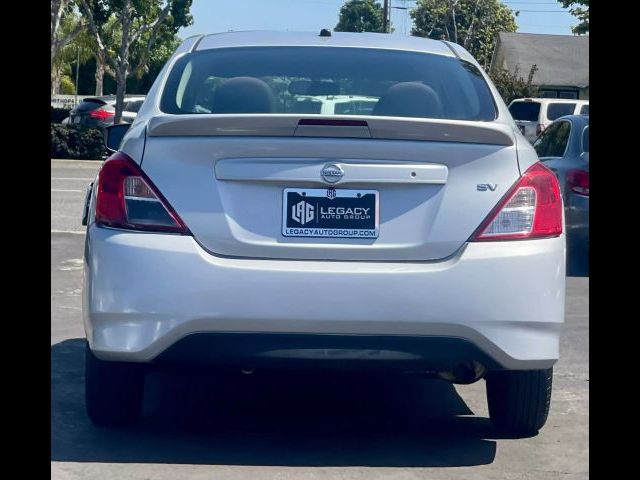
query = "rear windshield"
{"x": 328, "y": 81}
{"x": 527, "y": 111}
{"x": 133, "y": 106}
{"x": 557, "y": 110}
{"x": 89, "y": 104}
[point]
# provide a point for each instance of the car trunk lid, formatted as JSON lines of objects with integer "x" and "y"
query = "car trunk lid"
{"x": 228, "y": 177}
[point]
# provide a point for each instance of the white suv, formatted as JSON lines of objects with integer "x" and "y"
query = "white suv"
{"x": 533, "y": 115}
{"x": 338, "y": 104}
{"x": 230, "y": 228}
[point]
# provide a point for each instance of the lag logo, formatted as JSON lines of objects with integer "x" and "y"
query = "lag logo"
{"x": 302, "y": 212}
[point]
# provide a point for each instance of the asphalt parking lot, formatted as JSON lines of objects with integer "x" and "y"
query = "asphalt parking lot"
{"x": 296, "y": 426}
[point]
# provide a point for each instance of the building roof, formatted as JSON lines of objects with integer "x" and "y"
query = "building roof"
{"x": 562, "y": 60}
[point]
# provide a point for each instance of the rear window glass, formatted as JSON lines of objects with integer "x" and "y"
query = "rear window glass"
{"x": 584, "y": 110}
{"x": 355, "y": 107}
{"x": 585, "y": 140}
{"x": 133, "y": 106}
{"x": 527, "y": 111}
{"x": 553, "y": 141}
{"x": 557, "y": 110}
{"x": 328, "y": 81}
{"x": 89, "y": 104}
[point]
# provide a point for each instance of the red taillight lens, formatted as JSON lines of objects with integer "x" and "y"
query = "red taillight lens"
{"x": 578, "y": 181}
{"x": 532, "y": 208}
{"x": 101, "y": 114}
{"x": 127, "y": 198}
{"x": 539, "y": 129}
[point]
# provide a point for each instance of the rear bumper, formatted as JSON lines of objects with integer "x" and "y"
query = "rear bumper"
{"x": 144, "y": 293}
{"x": 361, "y": 352}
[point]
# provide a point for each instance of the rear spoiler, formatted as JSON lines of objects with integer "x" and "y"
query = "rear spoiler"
{"x": 434, "y": 130}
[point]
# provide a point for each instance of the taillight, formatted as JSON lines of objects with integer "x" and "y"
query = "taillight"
{"x": 578, "y": 181}
{"x": 127, "y": 198}
{"x": 532, "y": 208}
{"x": 101, "y": 114}
{"x": 539, "y": 129}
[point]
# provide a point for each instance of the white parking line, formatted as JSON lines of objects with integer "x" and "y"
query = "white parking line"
{"x": 63, "y": 190}
{"x": 72, "y": 178}
{"x": 76, "y": 232}
{"x": 71, "y": 162}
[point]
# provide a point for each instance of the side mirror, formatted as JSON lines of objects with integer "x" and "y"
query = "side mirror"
{"x": 113, "y": 136}
{"x": 584, "y": 156}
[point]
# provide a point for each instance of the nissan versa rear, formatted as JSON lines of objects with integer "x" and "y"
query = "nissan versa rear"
{"x": 407, "y": 226}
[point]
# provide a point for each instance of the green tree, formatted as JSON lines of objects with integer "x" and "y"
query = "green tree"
{"x": 474, "y": 24}
{"x": 580, "y": 9}
{"x": 65, "y": 25}
{"x": 360, "y": 16}
{"x": 139, "y": 83}
{"x": 142, "y": 78}
{"x": 67, "y": 53}
{"x": 67, "y": 86}
{"x": 140, "y": 23}
{"x": 104, "y": 42}
{"x": 512, "y": 85}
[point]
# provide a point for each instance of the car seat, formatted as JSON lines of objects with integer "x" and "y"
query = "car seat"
{"x": 409, "y": 99}
{"x": 243, "y": 95}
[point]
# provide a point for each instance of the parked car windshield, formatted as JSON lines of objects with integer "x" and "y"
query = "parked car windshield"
{"x": 300, "y": 80}
{"x": 527, "y": 111}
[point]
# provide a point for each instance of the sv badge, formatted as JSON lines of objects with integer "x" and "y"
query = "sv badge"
{"x": 483, "y": 187}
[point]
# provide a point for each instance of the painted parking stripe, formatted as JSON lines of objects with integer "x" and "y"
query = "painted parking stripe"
{"x": 64, "y": 190}
{"x": 75, "y": 232}
{"x": 72, "y": 162}
{"x": 72, "y": 178}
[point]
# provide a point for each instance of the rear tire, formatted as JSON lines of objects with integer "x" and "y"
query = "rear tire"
{"x": 519, "y": 400}
{"x": 113, "y": 390}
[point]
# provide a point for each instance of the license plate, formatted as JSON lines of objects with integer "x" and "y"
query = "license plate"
{"x": 76, "y": 120}
{"x": 330, "y": 213}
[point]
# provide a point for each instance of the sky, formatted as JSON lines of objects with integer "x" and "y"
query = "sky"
{"x": 210, "y": 16}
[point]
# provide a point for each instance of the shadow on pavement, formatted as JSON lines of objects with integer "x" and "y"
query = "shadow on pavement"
{"x": 577, "y": 260}
{"x": 272, "y": 419}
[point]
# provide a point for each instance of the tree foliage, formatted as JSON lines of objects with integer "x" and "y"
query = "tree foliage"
{"x": 65, "y": 26}
{"x": 580, "y": 9}
{"x": 140, "y": 25}
{"x": 512, "y": 85}
{"x": 360, "y": 16}
{"x": 67, "y": 85}
{"x": 74, "y": 142}
{"x": 67, "y": 53}
{"x": 474, "y": 24}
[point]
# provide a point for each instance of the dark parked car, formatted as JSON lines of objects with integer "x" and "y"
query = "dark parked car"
{"x": 564, "y": 148}
{"x": 99, "y": 112}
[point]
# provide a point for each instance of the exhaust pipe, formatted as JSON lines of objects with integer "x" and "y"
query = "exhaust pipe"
{"x": 465, "y": 373}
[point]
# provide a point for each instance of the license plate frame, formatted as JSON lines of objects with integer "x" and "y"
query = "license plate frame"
{"x": 330, "y": 213}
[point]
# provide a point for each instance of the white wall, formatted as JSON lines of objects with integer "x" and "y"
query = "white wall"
{"x": 66, "y": 101}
